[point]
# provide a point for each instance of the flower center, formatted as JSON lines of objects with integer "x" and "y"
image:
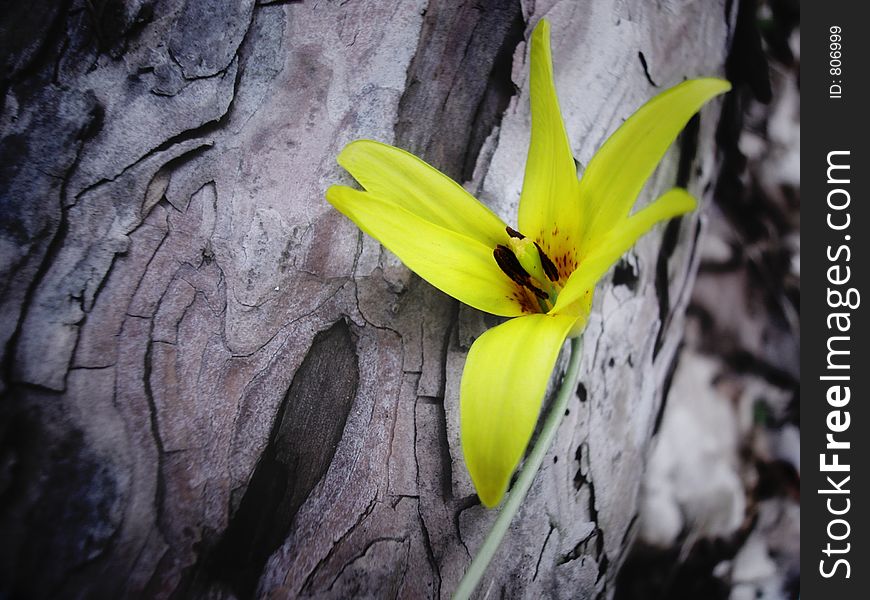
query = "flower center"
{"x": 526, "y": 263}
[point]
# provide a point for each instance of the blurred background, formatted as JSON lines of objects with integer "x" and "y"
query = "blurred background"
{"x": 720, "y": 509}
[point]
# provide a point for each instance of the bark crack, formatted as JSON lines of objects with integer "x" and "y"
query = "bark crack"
{"x": 366, "y": 548}
{"x": 541, "y": 553}
{"x": 307, "y": 584}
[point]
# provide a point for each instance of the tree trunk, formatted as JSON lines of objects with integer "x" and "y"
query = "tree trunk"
{"x": 214, "y": 384}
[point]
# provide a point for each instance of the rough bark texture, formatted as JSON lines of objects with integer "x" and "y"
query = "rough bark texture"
{"x": 214, "y": 384}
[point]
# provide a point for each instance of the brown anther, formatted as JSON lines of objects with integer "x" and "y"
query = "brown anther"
{"x": 508, "y": 263}
{"x": 514, "y": 233}
{"x": 538, "y": 291}
{"x": 511, "y": 266}
{"x": 549, "y": 268}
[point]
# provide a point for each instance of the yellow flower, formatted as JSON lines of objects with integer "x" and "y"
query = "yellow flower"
{"x": 569, "y": 233}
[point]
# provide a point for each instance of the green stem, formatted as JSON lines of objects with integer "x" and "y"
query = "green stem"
{"x": 527, "y": 475}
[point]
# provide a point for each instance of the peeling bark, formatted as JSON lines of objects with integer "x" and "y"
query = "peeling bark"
{"x": 213, "y": 384}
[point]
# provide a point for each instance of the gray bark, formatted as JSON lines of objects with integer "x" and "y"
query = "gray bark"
{"x": 214, "y": 384}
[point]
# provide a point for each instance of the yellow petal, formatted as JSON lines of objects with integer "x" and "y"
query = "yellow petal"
{"x": 502, "y": 388}
{"x": 457, "y": 265}
{"x": 549, "y": 210}
{"x": 609, "y": 248}
{"x": 400, "y": 177}
{"x": 617, "y": 172}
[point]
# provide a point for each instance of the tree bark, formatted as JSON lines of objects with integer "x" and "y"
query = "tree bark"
{"x": 214, "y": 384}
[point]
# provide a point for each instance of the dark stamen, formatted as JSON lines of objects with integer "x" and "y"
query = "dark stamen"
{"x": 549, "y": 268}
{"x": 508, "y": 263}
{"x": 538, "y": 291}
{"x": 514, "y": 233}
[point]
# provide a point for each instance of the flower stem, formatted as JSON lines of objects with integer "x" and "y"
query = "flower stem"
{"x": 527, "y": 475}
